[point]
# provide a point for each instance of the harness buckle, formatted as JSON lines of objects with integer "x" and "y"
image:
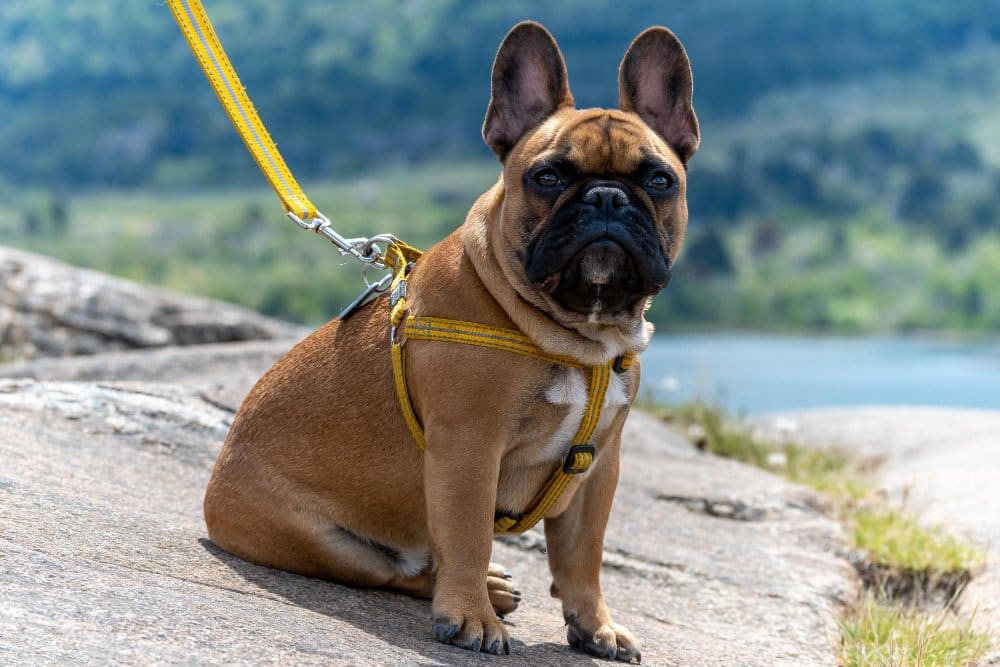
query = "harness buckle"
{"x": 578, "y": 459}
{"x": 619, "y": 365}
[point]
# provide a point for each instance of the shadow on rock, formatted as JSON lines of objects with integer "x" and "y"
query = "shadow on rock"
{"x": 396, "y": 619}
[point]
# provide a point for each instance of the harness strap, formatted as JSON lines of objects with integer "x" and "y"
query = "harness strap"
{"x": 578, "y": 460}
{"x": 481, "y": 335}
{"x": 581, "y": 452}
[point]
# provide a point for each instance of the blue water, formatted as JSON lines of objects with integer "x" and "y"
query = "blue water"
{"x": 759, "y": 373}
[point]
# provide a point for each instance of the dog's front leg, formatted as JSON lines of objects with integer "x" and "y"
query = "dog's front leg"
{"x": 575, "y": 542}
{"x": 460, "y": 480}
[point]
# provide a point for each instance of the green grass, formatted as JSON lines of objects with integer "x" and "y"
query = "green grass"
{"x": 830, "y": 471}
{"x": 878, "y": 635}
{"x": 897, "y": 538}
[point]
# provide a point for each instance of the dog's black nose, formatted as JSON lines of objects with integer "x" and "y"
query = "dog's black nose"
{"x": 606, "y": 198}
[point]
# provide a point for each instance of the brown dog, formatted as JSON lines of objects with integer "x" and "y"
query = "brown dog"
{"x": 319, "y": 474}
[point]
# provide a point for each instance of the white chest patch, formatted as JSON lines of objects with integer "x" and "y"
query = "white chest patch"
{"x": 571, "y": 390}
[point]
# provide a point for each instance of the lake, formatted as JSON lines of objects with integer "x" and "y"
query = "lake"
{"x": 749, "y": 373}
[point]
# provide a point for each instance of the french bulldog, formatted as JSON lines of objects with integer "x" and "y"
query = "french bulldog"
{"x": 319, "y": 474}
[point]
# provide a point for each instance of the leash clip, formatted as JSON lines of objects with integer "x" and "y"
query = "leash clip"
{"x": 362, "y": 248}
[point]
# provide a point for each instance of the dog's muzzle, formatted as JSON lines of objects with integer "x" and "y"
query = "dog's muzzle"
{"x": 599, "y": 253}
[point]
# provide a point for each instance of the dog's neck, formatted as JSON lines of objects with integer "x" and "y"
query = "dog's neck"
{"x": 589, "y": 342}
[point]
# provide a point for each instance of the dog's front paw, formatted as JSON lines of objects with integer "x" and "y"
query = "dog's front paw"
{"x": 475, "y": 630}
{"x": 608, "y": 640}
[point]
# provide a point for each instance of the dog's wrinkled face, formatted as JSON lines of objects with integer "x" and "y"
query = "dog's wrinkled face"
{"x": 594, "y": 207}
{"x": 600, "y": 212}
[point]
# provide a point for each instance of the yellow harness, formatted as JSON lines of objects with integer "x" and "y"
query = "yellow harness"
{"x": 581, "y": 452}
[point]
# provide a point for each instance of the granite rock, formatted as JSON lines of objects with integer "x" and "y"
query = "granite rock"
{"x": 48, "y": 308}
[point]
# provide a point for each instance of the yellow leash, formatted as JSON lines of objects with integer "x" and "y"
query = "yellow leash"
{"x": 398, "y": 256}
{"x": 200, "y": 35}
{"x": 581, "y": 452}
{"x": 197, "y": 28}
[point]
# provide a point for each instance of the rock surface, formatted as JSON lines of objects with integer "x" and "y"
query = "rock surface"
{"x": 222, "y": 373}
{"x": 946, "y": 464}
{"x": 103, "y": 555}
{"x": 48, "y": 308}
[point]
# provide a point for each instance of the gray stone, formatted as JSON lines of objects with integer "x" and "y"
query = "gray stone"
{"x": 943, "y": 462}
{"x": 103, "y": 555}
{"x": 220, "y": 372}
{"x": 48, "y": 308}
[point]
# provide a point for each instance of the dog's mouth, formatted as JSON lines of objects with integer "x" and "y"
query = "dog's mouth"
{"x": 607, "y": 273}
{"x": 601, "y": 276}
{"x": 597, "y": 266}
{"x": 600, "y": 252}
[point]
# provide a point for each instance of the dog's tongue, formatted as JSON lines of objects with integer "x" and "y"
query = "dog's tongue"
{"x": 551, "y": 283}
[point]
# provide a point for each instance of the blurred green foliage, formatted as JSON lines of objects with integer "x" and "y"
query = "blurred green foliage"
{"x": 106, "y": 92}
{"x": 865, "y": 273}
{"x": 236, "y": 244}
{"x": 849, "y": 177}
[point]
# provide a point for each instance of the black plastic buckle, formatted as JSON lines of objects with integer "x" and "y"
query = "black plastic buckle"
{"x": 568, "y": 467}
{"x": 617, "y": 367}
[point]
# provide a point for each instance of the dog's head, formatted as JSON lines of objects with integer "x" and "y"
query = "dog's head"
{"x": 594, "y": 208}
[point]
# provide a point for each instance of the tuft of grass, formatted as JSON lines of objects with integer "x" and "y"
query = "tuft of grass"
{"x": 880, "y": 634}
{"x": 894, "y": 537}
{"x": 903, "y": 561}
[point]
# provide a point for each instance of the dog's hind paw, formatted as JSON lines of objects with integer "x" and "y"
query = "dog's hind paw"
{"x": 504, "y": 594}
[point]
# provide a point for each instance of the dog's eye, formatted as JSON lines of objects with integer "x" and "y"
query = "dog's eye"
{"x": 547, "y": 178}
{"x": 660, "y": 181}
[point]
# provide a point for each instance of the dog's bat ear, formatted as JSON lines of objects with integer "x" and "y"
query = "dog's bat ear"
{"x": 529, "y": 84}
{"x": 655, "y": 82}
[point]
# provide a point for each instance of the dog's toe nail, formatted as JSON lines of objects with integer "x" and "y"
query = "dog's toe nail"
{"x": 517, "y": 592}
{"x": 508, "y": 575}
{"x": 570, "y": 617}
{"x": 638, "y": 657}
{"x": 495, "y": 646}
{"x": 476, "y": 645}
{"x": 445, "y": 631}
{"x": 506, "y": 647}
